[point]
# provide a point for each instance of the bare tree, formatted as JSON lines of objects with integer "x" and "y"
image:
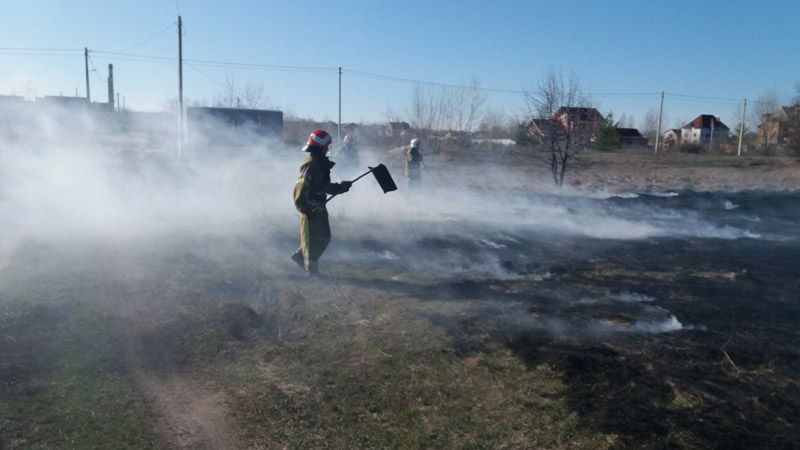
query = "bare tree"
{"x": 494, "y": 122}
{"x": 232, "y": 95}
{"x": 467, "y": 106}
{"x": 649, "y": 124}
{"x": 793, "y": 122}
{"x": 763, "y": 107}
{"x": 420, "y": 110}
{"x": 557, "y": 139}
{"x": 625, "y": 121}
{"x": 435, "y": 109}
{"x": 796, "y": 99}
{"x": 390, "y": 114}
{"x": 553, "y": 92}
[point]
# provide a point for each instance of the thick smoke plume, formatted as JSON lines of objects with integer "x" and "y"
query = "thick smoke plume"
{"x": 80, "y": 179}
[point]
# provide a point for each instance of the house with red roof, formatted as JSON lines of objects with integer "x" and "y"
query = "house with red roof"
{"x": 705, "y": 129}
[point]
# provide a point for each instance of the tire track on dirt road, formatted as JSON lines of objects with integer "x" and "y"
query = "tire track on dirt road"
{"x": 188, "y": 411}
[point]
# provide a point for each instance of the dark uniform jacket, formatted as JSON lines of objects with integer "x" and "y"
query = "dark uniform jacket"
{"x": 314, "y": 184}
{"x": 413, "y": 161}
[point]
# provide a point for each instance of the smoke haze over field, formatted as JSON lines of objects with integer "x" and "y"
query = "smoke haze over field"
{"x": 79, "y": 184}
{"x": 61, "y": 182}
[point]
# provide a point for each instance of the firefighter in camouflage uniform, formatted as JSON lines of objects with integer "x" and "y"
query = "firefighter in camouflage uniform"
{"x": 310, "y": 192}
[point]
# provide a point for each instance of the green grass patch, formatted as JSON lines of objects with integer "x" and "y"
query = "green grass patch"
{"x": 68, "y": 387}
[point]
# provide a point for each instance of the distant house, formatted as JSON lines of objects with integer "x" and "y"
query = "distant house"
{"x": 774, "y": 126}
{"x": 672, "y": 137}
{"x": 583, "y": 120}
{"x": 541, "y": 127}
{"x": 399, "y": 129}
{"x": 579, "y": 114}
{"x": 631, "y": 137}
{"x": 705, "y": 129}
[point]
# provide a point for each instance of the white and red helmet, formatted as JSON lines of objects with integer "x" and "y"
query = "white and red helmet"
{"x": 320, "y": 139}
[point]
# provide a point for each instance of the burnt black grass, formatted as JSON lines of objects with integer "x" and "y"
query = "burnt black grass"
{"x": 382, "y": 356}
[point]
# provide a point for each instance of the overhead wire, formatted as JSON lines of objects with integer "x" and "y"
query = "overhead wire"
{"x": 134, "y": 55}
{"x": 125, "y": 55}
{"x": 148, "y": 40}
{"x": 376, "y": 76}
{"x": 94, "y": 69}
{"x": 205, "y": 74}
{"x": 39, "y": 49}
{"x": 231, "y": 64}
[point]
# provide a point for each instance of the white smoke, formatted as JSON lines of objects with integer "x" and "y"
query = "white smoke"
{"x": 631, "y": 297}
{"x": 89, "y": 182}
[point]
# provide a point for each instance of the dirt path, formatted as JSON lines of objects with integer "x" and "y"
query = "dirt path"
{"x": 7, "y": 247}
{"x": 188, "y": 412}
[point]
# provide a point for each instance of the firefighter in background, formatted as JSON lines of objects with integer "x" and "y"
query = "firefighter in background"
{"x": 310, "y": 192}
{"x": 414, "y": 164}
{"x": 347, "y": 156}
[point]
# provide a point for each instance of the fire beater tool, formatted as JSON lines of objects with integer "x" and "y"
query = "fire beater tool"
{"x": 382, "y": 176}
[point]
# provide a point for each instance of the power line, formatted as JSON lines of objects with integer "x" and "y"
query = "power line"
{"x": 42, "y": 52}
{"x": 626, "y": 94}
{"x": 40, "y": 49}
{"x": 706, "y": 98}
{"x": 126, "y": 56}
{"x": 94, "y": 69}
{"x": 172, "y": 24}
{"x": 219, "y": 64}
{"x": 703, "y": 99}
{"x": 230, "y": 64}
{"x": 134, "y": 55}
{"x": 204, "y": 74}
{"x": 430, "y": 83}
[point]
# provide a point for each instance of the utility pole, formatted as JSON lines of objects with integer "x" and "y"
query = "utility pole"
{"x": 180, "y": 86}
{"x": 711, "y": 138}
{"x": 339, "y": 127}
{"x": 658, "y": 131}
{"x": 86, "y": 66}
{"x": 741, "y": 128}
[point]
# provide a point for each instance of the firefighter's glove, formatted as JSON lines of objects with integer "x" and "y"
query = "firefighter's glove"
{"x": 345, "y": 185}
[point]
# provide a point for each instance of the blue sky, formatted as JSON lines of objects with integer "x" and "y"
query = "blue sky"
{"x": 719, "y": 49}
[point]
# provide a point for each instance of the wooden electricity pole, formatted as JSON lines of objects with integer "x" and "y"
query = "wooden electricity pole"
{"x": 180, "y": 86}
{"x": 111, "y": 87}
{"x": 86, "y": 66}
{"x": 658, "y": 130}
{"x": 711, "y": 138}
{"x": 741, "y": 128}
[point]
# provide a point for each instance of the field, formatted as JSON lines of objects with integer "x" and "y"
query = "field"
{"x": 625, "y": 311}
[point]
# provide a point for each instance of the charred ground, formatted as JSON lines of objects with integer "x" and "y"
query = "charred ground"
{"x": 437, "y": 332}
